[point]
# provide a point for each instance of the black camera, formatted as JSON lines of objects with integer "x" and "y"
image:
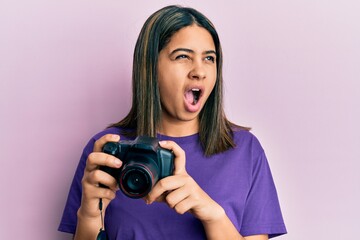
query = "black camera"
{"x": 144, "y": 163}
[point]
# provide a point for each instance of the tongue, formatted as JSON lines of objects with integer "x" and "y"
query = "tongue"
{"x": 189, "y": 97}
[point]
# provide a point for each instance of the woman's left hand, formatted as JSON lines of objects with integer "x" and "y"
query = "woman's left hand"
{"x": 182, "y": 193}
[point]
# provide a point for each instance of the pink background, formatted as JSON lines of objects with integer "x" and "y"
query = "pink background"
{"x": 292, "y": 73}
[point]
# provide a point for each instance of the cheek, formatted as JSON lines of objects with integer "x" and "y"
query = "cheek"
{"x": 169, "y": 91}
{"x": 211, "y": 76}
{"x": 212, "y": 82}
{"x": 170, "y": 84}
{"x": 211, "y": 87}
{"x": 165, "y": 88}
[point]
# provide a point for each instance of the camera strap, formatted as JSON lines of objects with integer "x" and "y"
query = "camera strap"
{"x": 102, "y": 234}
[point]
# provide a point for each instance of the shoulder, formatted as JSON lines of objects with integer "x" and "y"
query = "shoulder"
{"x": 245, "y": 138}
{"x": 90, "y": 144}
{"x": 111, "y": 130}
{"x": 124, "y": 133}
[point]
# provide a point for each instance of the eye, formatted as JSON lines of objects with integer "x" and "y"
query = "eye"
{"x": 182, "y": 56}
{"x": 210, "y": 58}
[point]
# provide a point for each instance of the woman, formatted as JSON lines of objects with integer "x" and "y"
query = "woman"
{"x": 221, "y": 187}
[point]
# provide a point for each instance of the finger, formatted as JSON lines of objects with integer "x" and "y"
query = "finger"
{"x": 176, "y": 196}
{"x": 104, "y": 139}
{"x": 179, "y": 161}
{"x": 162, "y": 197}
{"x": 184, "y": 206}
{"x": 96, "y": 159}
{"x": 106, "y": 193}
{"x": 98, "y": 176}
{"x": 166, "y": 184}
{"x": 92, "y": 191}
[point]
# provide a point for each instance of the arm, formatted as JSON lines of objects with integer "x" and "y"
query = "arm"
{"x": 223, "y": 228}
{"x": 183, "y": 194}
{"x": 89, "y": 220}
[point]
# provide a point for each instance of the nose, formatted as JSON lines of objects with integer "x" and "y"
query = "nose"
{"x": 197, "y": 72}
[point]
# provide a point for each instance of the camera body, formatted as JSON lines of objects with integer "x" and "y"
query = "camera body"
{"x": 144, "y": 163}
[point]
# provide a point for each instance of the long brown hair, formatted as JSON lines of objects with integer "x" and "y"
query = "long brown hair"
{"x": 216, "y": 132}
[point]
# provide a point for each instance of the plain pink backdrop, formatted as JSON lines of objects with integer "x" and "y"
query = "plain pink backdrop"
{"x": 292, "y": 73}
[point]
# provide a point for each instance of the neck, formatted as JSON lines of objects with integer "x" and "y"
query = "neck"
{"x": 179, "y": 129}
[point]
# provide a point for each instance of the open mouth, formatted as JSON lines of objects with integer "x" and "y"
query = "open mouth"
{"x": 193, "y": 95}
{"x": 196, "y": 92}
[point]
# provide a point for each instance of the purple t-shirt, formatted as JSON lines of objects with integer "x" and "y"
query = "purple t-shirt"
{"x": 238, "y": 179}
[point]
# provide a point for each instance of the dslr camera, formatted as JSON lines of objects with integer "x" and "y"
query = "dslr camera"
{"x": 144, "y": 163}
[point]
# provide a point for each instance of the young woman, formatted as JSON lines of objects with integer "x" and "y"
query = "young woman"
{"x": 221, "y": 186}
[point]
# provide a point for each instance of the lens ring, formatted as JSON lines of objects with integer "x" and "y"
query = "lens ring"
{"x": 136, "y": 181}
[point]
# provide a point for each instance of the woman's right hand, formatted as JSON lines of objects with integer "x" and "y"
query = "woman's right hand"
{"x": 93, "y": 176}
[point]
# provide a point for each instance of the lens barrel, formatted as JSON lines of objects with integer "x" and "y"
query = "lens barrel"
{"x": 137, "y": 178}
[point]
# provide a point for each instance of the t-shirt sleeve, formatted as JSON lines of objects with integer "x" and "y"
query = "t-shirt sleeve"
{"x": 69, "y": 217}
{"x": 262, "y": 213}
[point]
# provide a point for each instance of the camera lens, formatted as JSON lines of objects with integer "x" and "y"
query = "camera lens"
{"x": 137, "y": 180}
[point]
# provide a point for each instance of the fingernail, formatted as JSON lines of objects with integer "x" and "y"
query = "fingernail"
{"x": 162, "y": 142}
{"x": 115, "y": 137}
{"x": 117, "y": 162}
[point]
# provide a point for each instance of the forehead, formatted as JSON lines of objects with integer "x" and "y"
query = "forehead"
{"x": 192, "y": 37}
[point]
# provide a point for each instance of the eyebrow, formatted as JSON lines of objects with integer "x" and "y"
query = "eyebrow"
{"x": 191, "y": 51}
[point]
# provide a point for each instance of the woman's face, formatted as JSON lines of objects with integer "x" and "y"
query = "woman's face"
{"x": 186, "y": 76}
